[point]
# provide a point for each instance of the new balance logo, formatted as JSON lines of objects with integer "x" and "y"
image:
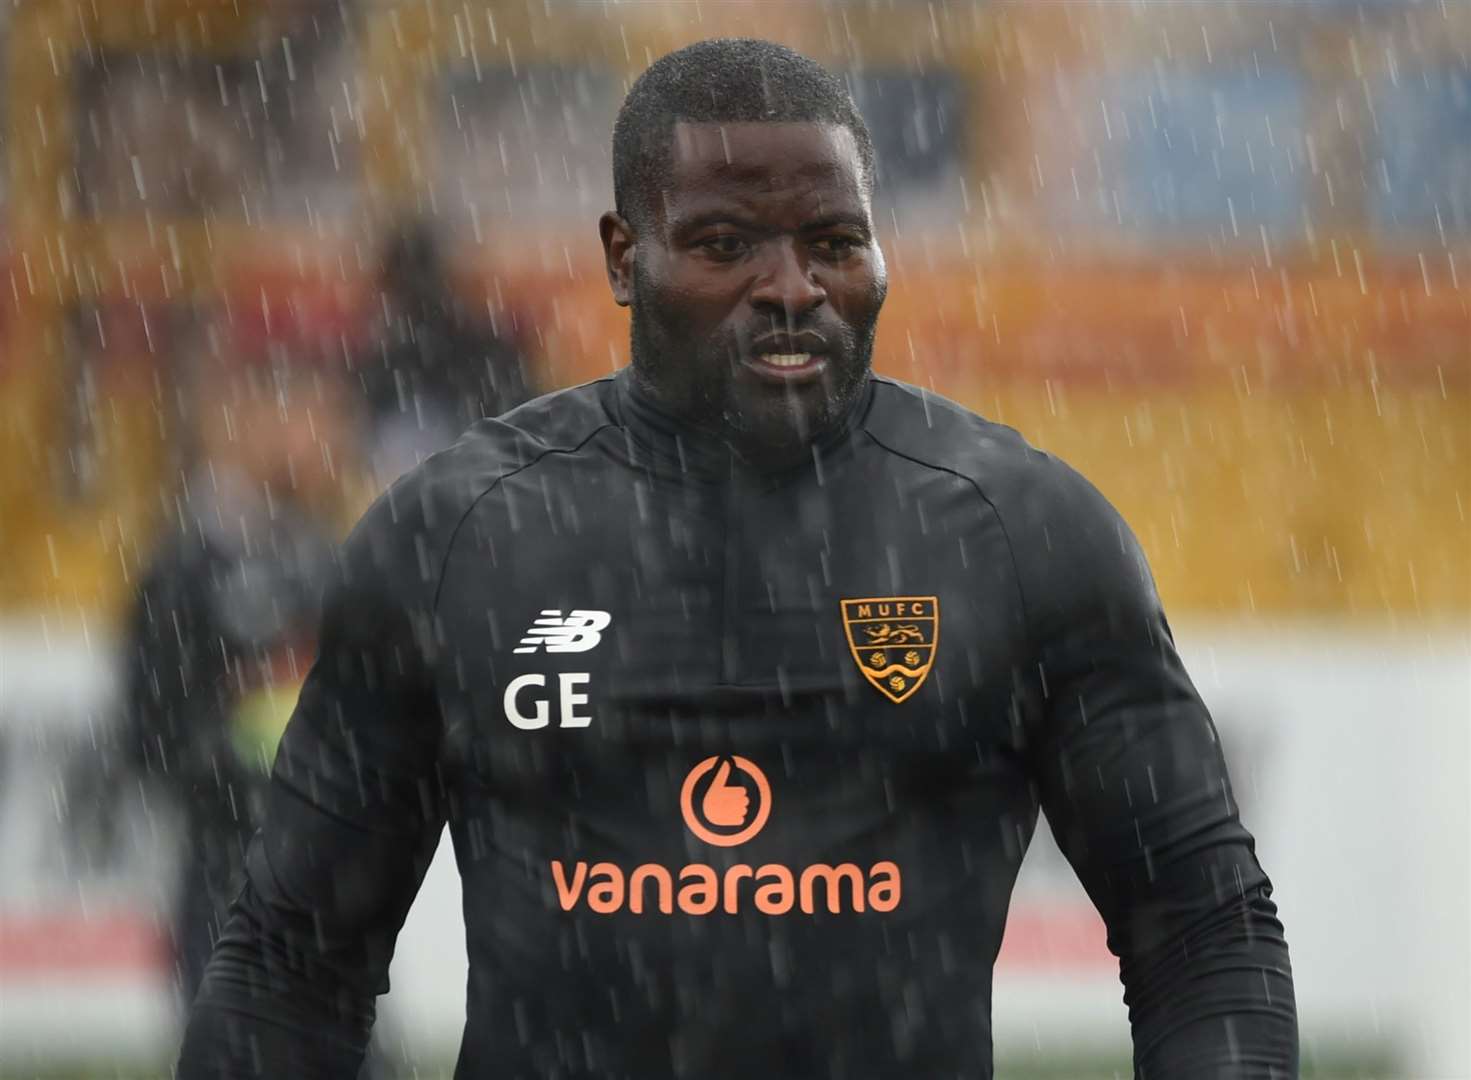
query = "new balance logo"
{"x": 576, "y": 631}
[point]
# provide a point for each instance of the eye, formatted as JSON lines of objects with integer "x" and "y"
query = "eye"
{"x": 835, "y": 247}
{"x": 725, "y": 245}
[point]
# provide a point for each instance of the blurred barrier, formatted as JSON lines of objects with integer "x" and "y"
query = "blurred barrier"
{"x": 87, "y": 864}
{"x": 1348, "y": 751}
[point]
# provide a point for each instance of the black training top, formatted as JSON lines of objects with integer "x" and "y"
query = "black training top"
{"x": 740, "y": 767}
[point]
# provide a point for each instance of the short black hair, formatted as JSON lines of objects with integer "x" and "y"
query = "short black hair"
{"x": 720, "y": 81}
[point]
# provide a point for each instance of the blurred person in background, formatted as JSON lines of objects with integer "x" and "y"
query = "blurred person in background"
{"x": 609, "y": 635}
{"x": 438, "y": 369}
{"x": 223, "y": 627}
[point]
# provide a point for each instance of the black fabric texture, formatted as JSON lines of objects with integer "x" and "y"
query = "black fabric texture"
{"x": 1031, "y": 671}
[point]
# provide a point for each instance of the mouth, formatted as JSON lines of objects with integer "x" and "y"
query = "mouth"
{"x": 788, "y": 359}
{"x": 787, "y": 368}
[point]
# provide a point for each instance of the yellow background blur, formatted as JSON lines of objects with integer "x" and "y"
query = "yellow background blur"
{"x": 1285, "y": 420}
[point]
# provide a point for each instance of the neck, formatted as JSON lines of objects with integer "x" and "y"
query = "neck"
{"x": 716, "y": 449}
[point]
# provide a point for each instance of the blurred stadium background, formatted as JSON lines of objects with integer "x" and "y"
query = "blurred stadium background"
{"x": 1216, "y": 254}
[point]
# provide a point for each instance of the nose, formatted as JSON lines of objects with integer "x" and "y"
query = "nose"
{"x": 787, "y": 288}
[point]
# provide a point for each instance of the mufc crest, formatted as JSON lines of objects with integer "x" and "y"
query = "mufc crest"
{"x": 893, "y": 640}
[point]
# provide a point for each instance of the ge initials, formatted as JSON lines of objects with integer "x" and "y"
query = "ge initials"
{"x": 568, "y": 700}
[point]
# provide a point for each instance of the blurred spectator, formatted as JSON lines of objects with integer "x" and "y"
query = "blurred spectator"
{"x": 222, "y": 629}
{"x": 439, "y": 369}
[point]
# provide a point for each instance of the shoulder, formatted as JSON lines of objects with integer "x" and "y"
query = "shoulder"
{"x": 557, "y": 422}
{"x": 1067, "y": 540}
{"x": 407, "y": 531}
{"x": 492, "y": 449}
{"x": 1024, "y": 484}
{"x": 935, "y": 431}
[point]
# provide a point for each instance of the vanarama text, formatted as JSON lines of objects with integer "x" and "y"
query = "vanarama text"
{"x": 699, "y": 889}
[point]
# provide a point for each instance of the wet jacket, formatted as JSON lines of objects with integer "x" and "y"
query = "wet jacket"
{"x": 740, "y": 766}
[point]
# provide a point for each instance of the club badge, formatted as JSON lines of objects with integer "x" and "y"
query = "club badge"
{"x": 893, "y": 640}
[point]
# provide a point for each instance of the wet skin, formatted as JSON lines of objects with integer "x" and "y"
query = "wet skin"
{"x": 761, "y": 246}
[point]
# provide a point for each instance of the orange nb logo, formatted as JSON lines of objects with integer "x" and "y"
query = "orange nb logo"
{"x": 719, "y": 810}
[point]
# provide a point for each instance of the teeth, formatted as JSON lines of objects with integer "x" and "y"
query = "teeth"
{"x": 786, "y": 359}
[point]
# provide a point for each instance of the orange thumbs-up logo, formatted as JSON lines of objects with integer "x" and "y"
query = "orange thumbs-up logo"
{"x": 725, "y": 805}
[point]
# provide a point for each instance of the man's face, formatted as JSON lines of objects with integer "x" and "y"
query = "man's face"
{"x": 756, "y": 286}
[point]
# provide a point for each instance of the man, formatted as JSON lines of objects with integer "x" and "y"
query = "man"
{"x": 740, "y": 677}
{"x": 437, "y": 369}
{"x": 224, "y": 624}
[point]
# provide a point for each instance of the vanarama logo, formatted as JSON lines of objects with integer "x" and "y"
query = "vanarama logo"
{"x": 718, "y": 808}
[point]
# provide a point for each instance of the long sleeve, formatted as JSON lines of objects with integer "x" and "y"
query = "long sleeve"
{"x": 353, "y": 815}
{"x": 1134, "y": 784}
{"x": 177, "y": 690}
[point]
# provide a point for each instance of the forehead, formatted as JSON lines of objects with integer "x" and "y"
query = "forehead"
{"x": 751, "y": 157}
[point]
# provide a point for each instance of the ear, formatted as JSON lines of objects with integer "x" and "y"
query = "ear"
{"x": 619, "y": 244}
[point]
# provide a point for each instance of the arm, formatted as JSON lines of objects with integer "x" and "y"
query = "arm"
{"x": 1134, "y": 785}
{"x": 352, "y": 819}
{"x": 177, "y": 688}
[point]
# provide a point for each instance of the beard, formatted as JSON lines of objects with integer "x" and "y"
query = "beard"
{"x": 698, "y": 378}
